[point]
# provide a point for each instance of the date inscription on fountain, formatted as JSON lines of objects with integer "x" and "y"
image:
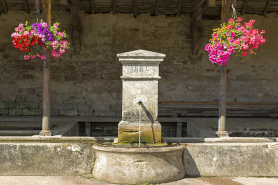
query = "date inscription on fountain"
{"x": 140, "y": 70}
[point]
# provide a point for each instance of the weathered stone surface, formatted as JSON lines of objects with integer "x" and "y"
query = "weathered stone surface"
{"x": 4, "y": 112}
{"x": 82, "y": 106}
{"x": 62, "y": 112}
{"x": 140, "y": 96}
{"x": 231, "y": 159}
{"x": 106, "y": 113}
{"x": 110, "y": 127}
{"x": 71, "y": 113}
{"x": 63, "y": 106}
{"x": 20, "y": 98}
{"x": 85, "y": 112}
{"x": 185, "y": 77}
{"x": 32, "y": 112}
{"x": 2, "y": 105}
{"x": 15, "y": 112}
{"x": 54, "y": 112}
{"x": 29, "y": 105}
{"x": 138, "y": 165}
{"x": 11, "y": 104}
{"x": 35, "y": 158}
{"x": 129, "y": 132}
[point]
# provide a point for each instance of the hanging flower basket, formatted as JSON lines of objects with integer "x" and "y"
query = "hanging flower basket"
{"x": 39, "y": 37}
{"x": 233, "y": 37}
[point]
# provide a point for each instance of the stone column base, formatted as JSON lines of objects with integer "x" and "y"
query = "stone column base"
{"x": 128, "y": 132}
{"x": 45, "y": 133}
{"x": 222, "y": 134}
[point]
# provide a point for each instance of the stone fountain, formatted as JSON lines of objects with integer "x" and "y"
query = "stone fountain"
{"x": 151, "y": 163}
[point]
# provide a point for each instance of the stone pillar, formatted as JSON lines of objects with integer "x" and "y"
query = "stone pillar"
{"x": 140, "y": 84}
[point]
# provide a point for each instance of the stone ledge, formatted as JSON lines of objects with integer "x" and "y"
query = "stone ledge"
{"x": 45, "y": 159}
{"x": 231, "y": 159}
{"x": 54, "y": 139}
{"x": 219, "y": 140}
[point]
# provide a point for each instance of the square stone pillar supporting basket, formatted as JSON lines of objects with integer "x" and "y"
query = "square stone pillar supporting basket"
{"x": 140, "y": 97}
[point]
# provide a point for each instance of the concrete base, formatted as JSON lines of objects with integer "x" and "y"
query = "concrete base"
{"x": 129, "y": 132}
{"x": 138, "y": 165}
{"x": 45, "y": 133}
{"x": 222, "y": 134}
{"x": 231, "y": 159}
{"x": 45, "y": 158}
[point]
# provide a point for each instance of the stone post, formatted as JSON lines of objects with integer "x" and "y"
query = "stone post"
{"x": 140, "y": 85}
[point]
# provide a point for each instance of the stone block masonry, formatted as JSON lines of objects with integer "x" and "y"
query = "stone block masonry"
{"x": 45, "y": 159}
{"x": 89, "y": 82}
{"x": 199, "y": 159}
{"x": 111, "y": 129}
{"x": 231, "y": 159}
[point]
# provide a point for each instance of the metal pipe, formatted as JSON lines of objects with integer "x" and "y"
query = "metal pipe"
{"x": 140, "y": 104}
{"x": 46, "y": 77}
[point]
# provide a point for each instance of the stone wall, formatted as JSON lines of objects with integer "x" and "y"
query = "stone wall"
{"x": 45, "y": 159}
{"x": 111, "y": 129}
{"x": 231, "y": 159}
{"x": 89, "y": 84}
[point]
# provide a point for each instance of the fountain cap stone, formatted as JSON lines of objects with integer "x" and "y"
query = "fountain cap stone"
{"x": 141, "y": 55}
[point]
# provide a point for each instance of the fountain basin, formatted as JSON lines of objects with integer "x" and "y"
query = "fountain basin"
{"x": 123, "y": 165}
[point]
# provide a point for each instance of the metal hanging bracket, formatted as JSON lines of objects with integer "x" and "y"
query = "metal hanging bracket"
{"x": 38, "y": 10}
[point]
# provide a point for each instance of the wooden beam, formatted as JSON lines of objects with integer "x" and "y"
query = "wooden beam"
{"x": 157, "y": 8}
{"x": 4, "y": 6}
{"x": 225, "y": 10}
{"x": 179, "y": 7}
{"x": 135, "y": 11}
{"x": 210, "y": 3}
{"x": 93, "y": 6}
{"x": 266, "y": 7}
{"x": 114, "y": 6}
{"x": 244, "y": 7}
{"x": 197, "y": 4}
{"x": 76, "y": 25}
{"x": 46, "y": 76}
{"x": 196, "y": 29}
{"x": 26, "y": 6}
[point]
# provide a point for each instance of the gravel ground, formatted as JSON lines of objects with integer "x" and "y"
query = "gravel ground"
{"x": 78, "y": 180}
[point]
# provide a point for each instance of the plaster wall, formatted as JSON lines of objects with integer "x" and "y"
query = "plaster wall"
{"x": 89, "y": 84}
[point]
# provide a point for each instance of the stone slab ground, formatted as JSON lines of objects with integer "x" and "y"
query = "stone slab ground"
{"x": 79, "y": 180}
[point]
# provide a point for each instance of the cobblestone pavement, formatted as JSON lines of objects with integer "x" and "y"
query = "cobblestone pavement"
{"x": 78, "y": 180}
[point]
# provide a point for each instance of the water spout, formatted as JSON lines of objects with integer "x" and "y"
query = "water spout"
{"x": 140, "y": 104}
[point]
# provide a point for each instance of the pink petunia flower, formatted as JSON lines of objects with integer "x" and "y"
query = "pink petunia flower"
{"x": 62, "y": 50}
{"x": 239, "y": 19}
{"x": 44, "y": 24}
{"x": 43, "y": 57}
{"x": 231, "y": 20}
{"x": 26, "y": 57}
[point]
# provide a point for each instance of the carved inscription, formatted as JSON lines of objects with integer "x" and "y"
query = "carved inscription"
{"x": 139, "y": 69}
